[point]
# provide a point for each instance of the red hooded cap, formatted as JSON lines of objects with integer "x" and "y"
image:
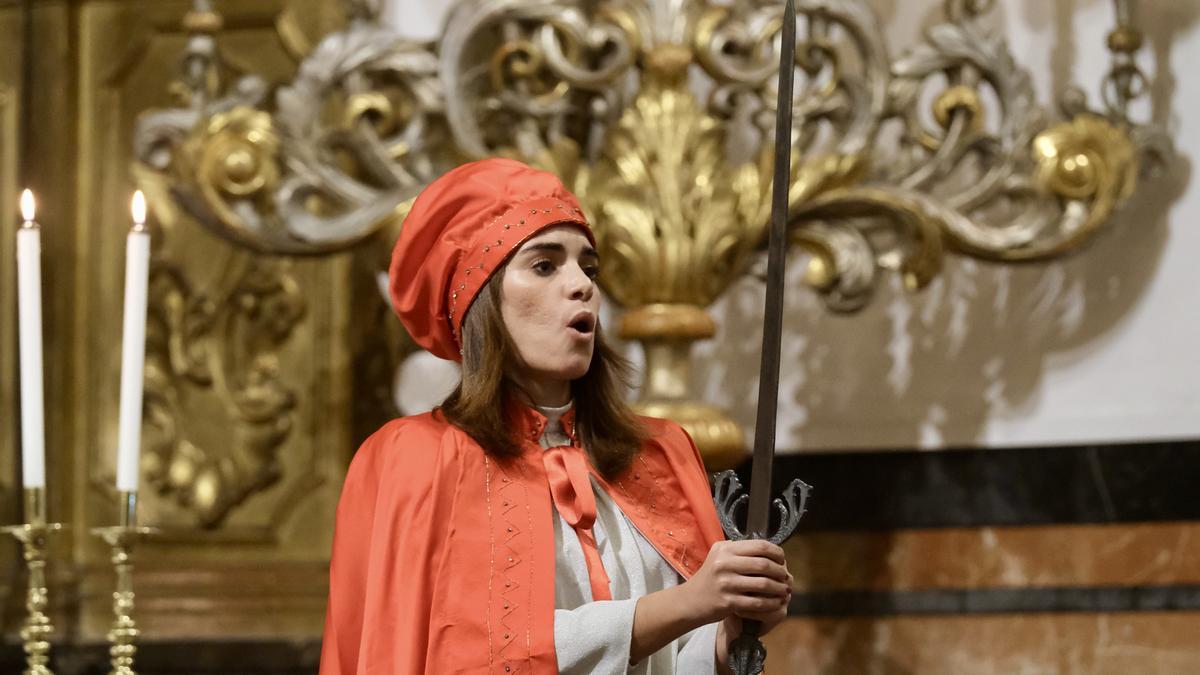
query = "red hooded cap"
{"x": 462, "y": 228}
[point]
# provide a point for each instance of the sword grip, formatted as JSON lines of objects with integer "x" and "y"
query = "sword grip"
{"x": 747, "y": 655}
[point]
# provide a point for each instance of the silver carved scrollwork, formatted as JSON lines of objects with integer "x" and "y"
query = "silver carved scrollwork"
{"x": 525, "y": 74}
{"x": 315, "y": 166}
{"x": 364, "y": 123}
{"x": 998, "y": 181}
{"x": 657, "y": 114}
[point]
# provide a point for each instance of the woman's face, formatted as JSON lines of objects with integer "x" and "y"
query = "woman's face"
{"x": 550, "y": 304}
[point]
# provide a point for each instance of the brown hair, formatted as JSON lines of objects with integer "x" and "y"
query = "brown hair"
{"x": 604, "y": 422}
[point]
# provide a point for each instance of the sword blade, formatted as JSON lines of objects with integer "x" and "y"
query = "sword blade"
{"x": 759, "y": 514}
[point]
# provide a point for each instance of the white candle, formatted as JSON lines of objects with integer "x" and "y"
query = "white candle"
{"x": 133, "y": 347}
{"x": 29, "y": 320}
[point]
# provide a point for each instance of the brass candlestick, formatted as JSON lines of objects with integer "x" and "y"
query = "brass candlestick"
{"x": 124, "y": 632}
{"x": 36, "y": 630}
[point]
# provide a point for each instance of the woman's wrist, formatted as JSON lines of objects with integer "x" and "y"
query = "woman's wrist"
{"x": 660, "y": 618}
{"x": 721, "y": 657}
{"x": 688, "y": 602}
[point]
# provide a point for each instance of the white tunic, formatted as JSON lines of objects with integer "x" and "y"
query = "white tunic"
{"x": 593, "y": 638}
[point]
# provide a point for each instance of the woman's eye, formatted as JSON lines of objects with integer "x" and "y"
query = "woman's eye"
{"x": 543, "y": 267}
{"x": 592, "y": 271}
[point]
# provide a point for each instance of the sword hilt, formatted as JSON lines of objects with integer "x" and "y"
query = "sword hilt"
{"x": 747, "y": 655}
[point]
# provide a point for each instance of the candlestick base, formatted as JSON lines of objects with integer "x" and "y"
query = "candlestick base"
{"x": 123, "y": 634}
{"x": 36, "y": 630}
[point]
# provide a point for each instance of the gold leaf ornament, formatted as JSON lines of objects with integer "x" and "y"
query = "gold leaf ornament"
{"x": 378, "y": 109}
{"x": 234, "y": 156}
{"x": 1086, "y": 158}
{"x": 1090, "y": 162}
{"x": 523, "y": 61}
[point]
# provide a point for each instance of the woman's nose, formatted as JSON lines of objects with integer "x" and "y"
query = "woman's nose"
{"x": 581, "y": 285}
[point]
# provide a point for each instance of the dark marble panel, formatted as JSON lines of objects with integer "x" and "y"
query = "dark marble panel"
{"x": 1010, "y": 486}
{"x": 997, "y": 601}
{"x": 229, "y": 657}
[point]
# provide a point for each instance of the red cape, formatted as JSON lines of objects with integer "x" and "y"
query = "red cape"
{"x": 443, "y": 558}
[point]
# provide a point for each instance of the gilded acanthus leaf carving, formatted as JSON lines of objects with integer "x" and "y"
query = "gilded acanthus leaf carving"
{"x": 666, "y": 204}
{"x": 218, "y": 405}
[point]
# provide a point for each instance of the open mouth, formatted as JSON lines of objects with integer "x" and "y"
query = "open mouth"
{"x": 584, "y": 323}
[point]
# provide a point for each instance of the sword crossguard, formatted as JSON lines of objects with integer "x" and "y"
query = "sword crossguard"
{"x": 731, "y": 500}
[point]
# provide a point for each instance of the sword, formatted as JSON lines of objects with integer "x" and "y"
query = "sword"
{"x": 747, "y": 654}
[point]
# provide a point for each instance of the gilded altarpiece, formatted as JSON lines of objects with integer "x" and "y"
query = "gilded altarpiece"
{"x": 9, "y": 387}
{"x": 248, "y": 404}
{"x": 46, "y": 165}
